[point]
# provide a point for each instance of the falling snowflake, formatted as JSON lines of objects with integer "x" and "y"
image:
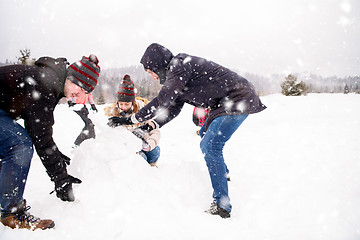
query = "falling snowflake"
{"x": 241, "y": 106}
{"x": 187, "y": 59}
{"x": 35, "y": 95}
{"x": 162, "y": 114}
{"x": 228, "y": 105}
{"x": 346, "y": 7}
{"x": 30, "y": 81}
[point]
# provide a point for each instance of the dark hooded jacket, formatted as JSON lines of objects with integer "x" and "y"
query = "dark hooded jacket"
{"x": 31, "y": 93}
{"x": 199, "y": 82}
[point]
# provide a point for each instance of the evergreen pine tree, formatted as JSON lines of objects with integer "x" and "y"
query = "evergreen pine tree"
{"x": 291, "y": 86}
{"x": 101, "y": 99}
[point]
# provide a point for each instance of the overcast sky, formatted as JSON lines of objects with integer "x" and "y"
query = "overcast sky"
{"x": 258, "y": 36}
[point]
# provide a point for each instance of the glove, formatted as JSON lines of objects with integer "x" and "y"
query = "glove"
{"x": 146, "y": 127}
{"x": 140, "y": 133}
{"x": 64, "y": 189}
{"x": 93, "y": 107}
{"x": 74, "y": 179}
{"x": 71, "y": 104}
{"x": 118, "y": 121}
{"x": 65, "y": 158}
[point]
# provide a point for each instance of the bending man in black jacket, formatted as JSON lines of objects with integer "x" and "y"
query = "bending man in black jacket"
{"x": 31, "y": 93}
{"x": 201, "y": 83}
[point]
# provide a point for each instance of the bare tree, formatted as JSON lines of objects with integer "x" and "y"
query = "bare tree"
{"x": 25, "y": 57}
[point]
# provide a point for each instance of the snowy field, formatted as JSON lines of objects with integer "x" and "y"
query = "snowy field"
{"x": 295, "y": 174}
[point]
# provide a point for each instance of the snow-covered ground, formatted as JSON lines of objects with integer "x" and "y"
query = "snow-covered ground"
{"x": 295, "y": 174}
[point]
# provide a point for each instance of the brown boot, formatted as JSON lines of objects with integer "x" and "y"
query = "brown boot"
{"x": 153, "y": 164}
{"x": 22, "y": 219}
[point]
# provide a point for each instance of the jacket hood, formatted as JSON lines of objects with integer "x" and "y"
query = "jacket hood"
{"x": 157, "y": 58}
{"x": 59, "y": 66}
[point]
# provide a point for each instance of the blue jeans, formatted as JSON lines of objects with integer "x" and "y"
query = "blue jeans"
{"x": 151, "y": 156}
{"x": 212, "y": 144}
{"x": 16, "y": 151}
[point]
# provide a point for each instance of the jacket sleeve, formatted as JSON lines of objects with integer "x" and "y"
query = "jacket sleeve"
{"x": 170, "y": 113}
{"x": 39, "y": 121}
{"x": 168, "y": 104}
{"x": 153, "y": 138}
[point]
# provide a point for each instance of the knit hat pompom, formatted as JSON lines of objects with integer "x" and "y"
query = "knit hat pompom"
{"x": 94, "y": 59}
{"x": 85, "y": 73}
{"x": 126, "y": 90}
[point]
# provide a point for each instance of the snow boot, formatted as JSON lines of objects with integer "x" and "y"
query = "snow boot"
{"x": 153, "y": 164}
{"x": 228, "y": 177}
{"x": 21, "y": 219}
{"x": 215, "y": 209}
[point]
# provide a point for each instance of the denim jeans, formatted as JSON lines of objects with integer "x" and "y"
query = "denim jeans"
{"x": 16, "y": 151}
{"x": 151, "y": 156}
{"x": 212, "y": 144}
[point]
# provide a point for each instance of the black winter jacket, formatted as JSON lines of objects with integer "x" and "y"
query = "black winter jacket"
{"x": 31, "y": 93}
{"x": 199, "y": 82}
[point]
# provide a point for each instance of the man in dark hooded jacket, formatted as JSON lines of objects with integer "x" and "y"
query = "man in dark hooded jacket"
{"x": 31, "y": 93}
{"x": 201, "y": 83}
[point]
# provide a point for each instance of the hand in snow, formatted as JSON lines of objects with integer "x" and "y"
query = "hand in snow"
{"x": 64, "y": 189}
{"x": 74, "y": 179}
{"x": 140, "y": 133}
{"x": 118, "y": 121}
{"x": 65, "y": 158}
{"x": 93, "y": 107}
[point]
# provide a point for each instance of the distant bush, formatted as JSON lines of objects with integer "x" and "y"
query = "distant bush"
{"x": 291, "y": 86}
{"x": 100, "y": 99}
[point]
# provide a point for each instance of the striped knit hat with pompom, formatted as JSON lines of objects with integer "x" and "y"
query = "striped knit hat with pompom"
{"x": 85, "y": 73}
{"x": 126, "y": 90}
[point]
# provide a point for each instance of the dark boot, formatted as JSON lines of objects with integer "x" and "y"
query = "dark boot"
{"x": 86, "y": 133}
{"x": 21, "y": 219}
{"x": 215, "y": 209}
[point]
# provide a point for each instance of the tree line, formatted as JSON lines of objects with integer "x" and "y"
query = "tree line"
{"x": 287, "y": 84}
